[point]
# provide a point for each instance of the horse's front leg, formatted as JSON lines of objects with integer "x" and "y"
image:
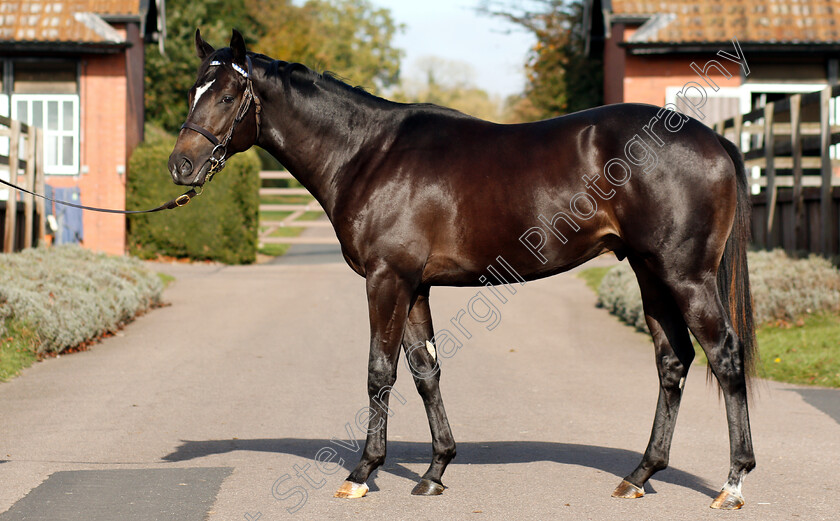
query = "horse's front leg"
{"x": 389, "y": 299}
{"x": 421, "y": 355}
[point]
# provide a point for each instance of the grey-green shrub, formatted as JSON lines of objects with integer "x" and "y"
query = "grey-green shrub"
{"x": 70, "y": 295}
{"x": 783, "y": 288}
{"x": 619, "y": 294}
{"x": 221, "y": 225}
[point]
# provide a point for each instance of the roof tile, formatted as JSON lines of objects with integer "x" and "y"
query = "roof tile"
{"x": 776, "y": 21}
{"x": 77, "y": 21}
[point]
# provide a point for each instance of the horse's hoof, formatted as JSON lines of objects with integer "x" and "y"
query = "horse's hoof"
{"x": 427, "y": 487}
{"x": 728, "y": 501}
{"x": 627, "y": 490}
{"x": 352, "y": 490}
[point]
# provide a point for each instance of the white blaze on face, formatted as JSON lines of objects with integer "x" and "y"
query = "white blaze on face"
{"x": 200, "y": 92}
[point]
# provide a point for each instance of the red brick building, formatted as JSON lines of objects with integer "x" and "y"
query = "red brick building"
{"x": 648, "y": 47}
{"x": 75, "y": 68}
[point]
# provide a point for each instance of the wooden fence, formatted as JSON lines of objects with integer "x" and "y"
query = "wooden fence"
{"x": 791, "y": 156}
{"x": 293, "y": 219}
{"x": 24, "y": 225}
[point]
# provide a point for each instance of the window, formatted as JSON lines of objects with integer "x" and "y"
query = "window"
{"x": 44, "y": 93}
{"x": 58, "y": 115}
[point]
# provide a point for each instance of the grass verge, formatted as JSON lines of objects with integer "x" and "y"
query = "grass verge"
{"x": 594, "y": 276}
{"x": 17, "y": 348}
{"x": 806, "y": 352}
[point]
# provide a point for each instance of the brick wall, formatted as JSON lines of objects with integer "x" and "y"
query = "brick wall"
{"x": 647, "y": 76}
{"x": 103, "y": 109}
{"x": 644, "y": 78}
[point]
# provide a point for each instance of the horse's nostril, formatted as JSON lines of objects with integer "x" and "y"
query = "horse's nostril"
{"x": 186, "y": 167}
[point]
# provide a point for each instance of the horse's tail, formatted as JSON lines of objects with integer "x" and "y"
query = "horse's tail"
{"x": 733, "y": 279}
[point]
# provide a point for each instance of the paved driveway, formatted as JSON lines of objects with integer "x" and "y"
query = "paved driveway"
{"x": 219, "y": 403}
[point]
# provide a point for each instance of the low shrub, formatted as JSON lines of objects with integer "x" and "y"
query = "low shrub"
{"x": 220, "y": 225}
{"x": 68, "y": 295}
{"x": 783, "y": 289}
{"x": 619, "y": 294}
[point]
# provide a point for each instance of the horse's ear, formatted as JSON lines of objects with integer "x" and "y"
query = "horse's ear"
{"x": 202, "y": 48}
{"x": 237, "y": 45}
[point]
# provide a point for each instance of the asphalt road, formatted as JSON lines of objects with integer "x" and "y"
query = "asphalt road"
{"x": 216, "y": 406}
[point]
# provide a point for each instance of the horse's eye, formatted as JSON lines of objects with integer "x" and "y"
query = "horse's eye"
{"x": 227, "y": 99}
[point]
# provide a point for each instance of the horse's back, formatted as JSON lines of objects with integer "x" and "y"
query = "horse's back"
{"x": 455, "y": 192}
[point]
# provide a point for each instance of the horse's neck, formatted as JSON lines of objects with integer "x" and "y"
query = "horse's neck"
{"x": 322, "y": 140}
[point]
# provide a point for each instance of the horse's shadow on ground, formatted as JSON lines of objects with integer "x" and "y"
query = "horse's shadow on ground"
{"x": 618, "y": 462}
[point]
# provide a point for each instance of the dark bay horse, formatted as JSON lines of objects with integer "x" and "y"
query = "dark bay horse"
{"x": 421, "y": 195}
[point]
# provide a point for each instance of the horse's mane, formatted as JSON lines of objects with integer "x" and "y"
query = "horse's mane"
{"x": 288, "y": 71}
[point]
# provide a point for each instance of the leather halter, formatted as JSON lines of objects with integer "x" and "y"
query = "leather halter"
{"x": 218, "y": 155}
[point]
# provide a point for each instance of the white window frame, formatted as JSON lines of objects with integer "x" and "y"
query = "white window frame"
{"x": 58, "y": 168}
{"x": 4, "y": 146}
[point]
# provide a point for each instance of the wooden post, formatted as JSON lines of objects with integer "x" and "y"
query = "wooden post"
{"x": 40, "y": 187}
{"x": 29, "y": 184}
{"x": 739, "y": 126}
{"x": 796, "y": 152}
{"x": 825, "y": 189}
{"x": 770, "y": 172}
{"x": 11, "y": 203}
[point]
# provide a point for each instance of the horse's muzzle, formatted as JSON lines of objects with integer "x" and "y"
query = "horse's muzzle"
{"x": 183, "y": 171}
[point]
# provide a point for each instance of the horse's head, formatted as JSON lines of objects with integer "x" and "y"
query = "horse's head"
{"x": 224, "y": 113}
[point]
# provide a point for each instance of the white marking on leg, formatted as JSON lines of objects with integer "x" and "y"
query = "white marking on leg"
{"x": 430, "y": 347}
{"x": 200, "y": 92}
{"x": 735, "y": 489}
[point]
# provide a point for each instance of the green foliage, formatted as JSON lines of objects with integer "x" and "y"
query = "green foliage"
{"x": 807, "y": 352}
{"x": 619, "y": 294}
{"x": 220, "y": 225}
{"x": 796, "y": 304}
{"x": 17, "y": 348}
{"x": 562, "y": 78}
{"x": 168, "y": 78}
{"x": 594, "y": 276}
{"x": 349, "y": 37}
{"x": 783, "y": 289}
{"x": 67, "y": 295}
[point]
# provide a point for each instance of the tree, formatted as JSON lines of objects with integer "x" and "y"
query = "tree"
{"x": 447, "y": 83}
{"x": 561, "y": 77}
{"x": 350, "y": 38}
{"x": 169, "y": 77}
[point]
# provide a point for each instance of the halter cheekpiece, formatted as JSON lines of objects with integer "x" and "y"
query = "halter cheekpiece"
{"x": 218, "y": 155}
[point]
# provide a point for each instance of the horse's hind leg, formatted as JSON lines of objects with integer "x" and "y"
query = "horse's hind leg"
{"x": 421, "y": 356}
{"x": 708, "y": 320}
{"x": 674, "y": 354}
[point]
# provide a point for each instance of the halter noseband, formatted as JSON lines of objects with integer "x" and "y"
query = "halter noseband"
{"x": 218, "y": 155}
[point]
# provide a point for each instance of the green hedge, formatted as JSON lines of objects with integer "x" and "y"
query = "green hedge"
{"x": 67, "y": 295}
{"x": 783, "y": 289}
{"x": 219, "y": 225}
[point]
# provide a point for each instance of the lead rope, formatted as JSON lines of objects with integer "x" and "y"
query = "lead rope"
{"x": 181, "y": 200}
{"x": 216, "y": 164}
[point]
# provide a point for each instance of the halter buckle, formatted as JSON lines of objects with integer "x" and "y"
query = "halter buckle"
{"x": 182, "y": 200}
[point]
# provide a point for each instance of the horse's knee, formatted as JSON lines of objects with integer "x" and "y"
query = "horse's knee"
{"x": 672, "y": 370}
